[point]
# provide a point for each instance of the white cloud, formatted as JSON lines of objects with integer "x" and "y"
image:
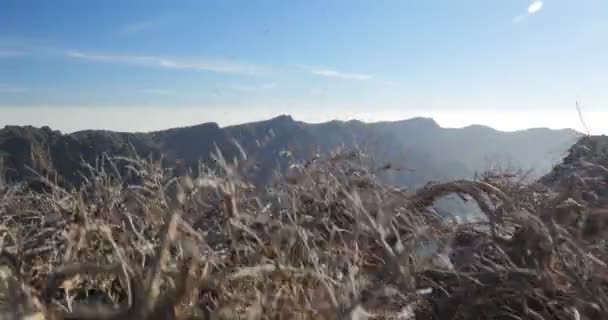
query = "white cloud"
{"x": 342, "y": 75}
{"x": 333, "y": 73}
{"x": 534, "y": 7}
{"x": 217, "y": 65}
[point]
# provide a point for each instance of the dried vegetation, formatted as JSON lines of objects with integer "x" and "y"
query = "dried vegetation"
{"x": 327, "y": 241}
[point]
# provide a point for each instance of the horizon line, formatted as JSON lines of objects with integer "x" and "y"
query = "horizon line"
{"x": 290, "y": 117}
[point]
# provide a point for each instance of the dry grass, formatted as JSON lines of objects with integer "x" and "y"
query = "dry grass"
{"x": 327, "y": 241}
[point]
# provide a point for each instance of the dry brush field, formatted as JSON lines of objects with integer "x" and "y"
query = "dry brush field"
{"x": 328, "y": 240}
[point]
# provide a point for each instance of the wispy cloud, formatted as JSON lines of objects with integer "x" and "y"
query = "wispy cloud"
{"x": 534, "y": 7}
{"x": 333, "y": 73}
{"x": 27, "y": 47}
{"x": 143, "y": 25}
{"x": 252, "y": 88}
{"x": 11, "y": 46}
{"x": 342, "y": 75}
{"x": 211, "y": 65}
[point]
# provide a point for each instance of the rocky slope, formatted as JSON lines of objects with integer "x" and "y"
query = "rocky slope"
{"x": 585, "y": 171}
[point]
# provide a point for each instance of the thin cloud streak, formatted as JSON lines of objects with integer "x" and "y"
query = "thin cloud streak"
{"x": 341, "y": 75}
{"x": 333, "y": 73}
{"x": 22, "y": 47}
{"x": 217, "y": 66}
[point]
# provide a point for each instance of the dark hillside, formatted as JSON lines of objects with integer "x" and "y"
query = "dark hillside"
{"x": 419, "y": 147}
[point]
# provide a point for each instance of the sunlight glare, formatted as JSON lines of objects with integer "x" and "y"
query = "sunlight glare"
{"x": 535, "y": 6}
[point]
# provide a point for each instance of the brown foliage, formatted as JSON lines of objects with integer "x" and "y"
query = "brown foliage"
{"x": 328, "y": 241}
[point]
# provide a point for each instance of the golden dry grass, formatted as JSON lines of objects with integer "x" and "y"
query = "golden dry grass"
{"x": 327, "y": 241}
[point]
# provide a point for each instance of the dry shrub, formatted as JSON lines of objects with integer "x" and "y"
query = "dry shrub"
{"x": 326, "y": 241}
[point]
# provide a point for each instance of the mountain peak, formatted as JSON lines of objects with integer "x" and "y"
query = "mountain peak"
{"x": 282, "y": 118}
{"x": 417, "y": 123}
{"x": 196, "y": 127}
{"x": 478, "y": 127}
{"x": 426, "y": 121}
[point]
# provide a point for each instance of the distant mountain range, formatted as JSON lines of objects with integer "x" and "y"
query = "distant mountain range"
{"x": 419, "y": 145}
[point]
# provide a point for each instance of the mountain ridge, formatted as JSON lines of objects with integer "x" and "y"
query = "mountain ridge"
{"x": 421, "y": 144}
{"x": 288, "y": 117}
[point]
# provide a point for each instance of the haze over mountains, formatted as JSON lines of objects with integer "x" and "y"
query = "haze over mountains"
{"x": 422, "y": 149}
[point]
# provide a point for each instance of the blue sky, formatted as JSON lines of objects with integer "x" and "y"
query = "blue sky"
{"x": 144, "y": 65}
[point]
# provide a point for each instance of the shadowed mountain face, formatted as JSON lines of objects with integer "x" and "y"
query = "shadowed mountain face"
{"x": 421, "y": 148}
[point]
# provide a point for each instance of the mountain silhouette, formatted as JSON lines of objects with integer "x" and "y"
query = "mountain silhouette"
{"x": 419, "y": 148}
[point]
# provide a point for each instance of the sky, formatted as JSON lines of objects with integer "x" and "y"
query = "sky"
{"x": 146, "y": 65}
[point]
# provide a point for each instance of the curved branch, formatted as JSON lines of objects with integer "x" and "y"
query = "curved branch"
{"x": 87, "y": 312}
{"x": 425, "y": 197}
